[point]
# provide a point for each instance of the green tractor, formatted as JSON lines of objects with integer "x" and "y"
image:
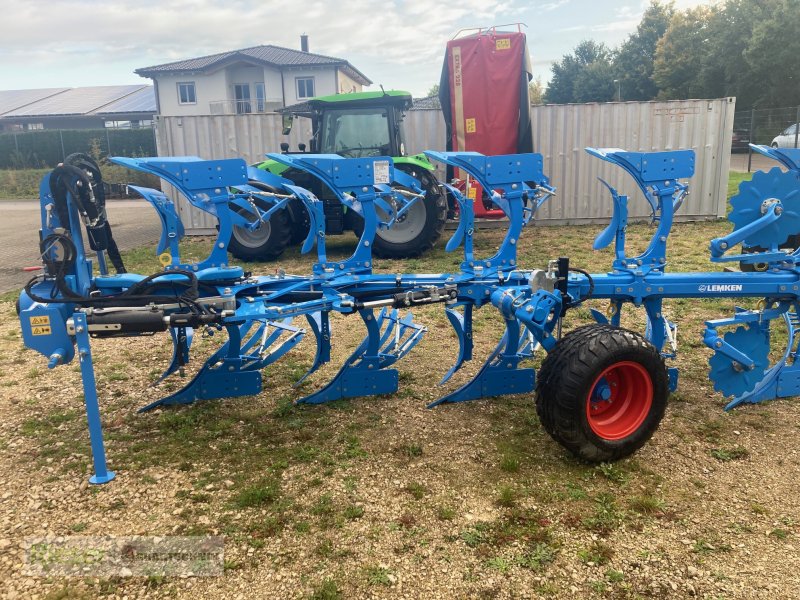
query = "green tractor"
{"x": 352, "y": 125}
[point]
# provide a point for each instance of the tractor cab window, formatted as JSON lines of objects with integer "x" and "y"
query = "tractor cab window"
{"x": 356, "y": 133}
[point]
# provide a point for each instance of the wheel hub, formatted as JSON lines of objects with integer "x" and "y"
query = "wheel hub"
{"x": 619, "y": 400}
{"x": 253, "y": 238}
{"x": 406, "y": 228}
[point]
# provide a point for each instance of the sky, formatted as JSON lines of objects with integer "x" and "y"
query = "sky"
{"x": 397, "y": 43}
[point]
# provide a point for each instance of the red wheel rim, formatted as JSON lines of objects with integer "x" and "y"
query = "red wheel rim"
{"x": 619, "y": 400}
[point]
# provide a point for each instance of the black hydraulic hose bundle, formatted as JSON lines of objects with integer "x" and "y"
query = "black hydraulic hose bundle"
{"x": 591, "y": 286}
{"x": 139, "y": 294}
{"x": 81, "y": 177}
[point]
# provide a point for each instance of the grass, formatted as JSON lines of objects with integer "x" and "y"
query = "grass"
{"x": 20, "y": 184}
{"x": 417, "y": 490}
{"x": 263, "y": 492}
{"x": 537, "y": 556}
{"x": 23, "y": 184}
{"x": 306, "y": 473}
{"x": 730, "y": 454}
{"x": 734, "y": 179}
{"x": 598, "y": 553}
{"x": 378, "y": 575}
{"x": 507, "y": 496}
{"x": 327, "y": 590}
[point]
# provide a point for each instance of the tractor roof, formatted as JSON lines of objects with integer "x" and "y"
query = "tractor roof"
{"x": 397, "y": 98}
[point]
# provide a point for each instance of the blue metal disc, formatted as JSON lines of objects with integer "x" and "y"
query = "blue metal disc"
{"x": 746, "y": 206}
{"x": 731, "y": 380}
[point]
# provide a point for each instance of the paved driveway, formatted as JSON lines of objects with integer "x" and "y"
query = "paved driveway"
{"x": 758, "y": 162}
{"x": 134, "y": 223}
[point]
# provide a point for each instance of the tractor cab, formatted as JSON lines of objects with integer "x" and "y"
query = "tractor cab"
{"x": 354, "y": 125}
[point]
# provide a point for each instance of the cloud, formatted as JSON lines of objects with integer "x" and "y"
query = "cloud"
{"x": 152, "y": 32}
{"x": 550, "y": 6}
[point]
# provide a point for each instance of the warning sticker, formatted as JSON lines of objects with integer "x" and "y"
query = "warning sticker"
{"x": 502, "y": 44}
{"x": 472, "y": 193}
{"x": 470, "y": 125}
{"x": 41, "y": 330}
{"x": 45, "y": 320}
{"x": 381, "y": 171}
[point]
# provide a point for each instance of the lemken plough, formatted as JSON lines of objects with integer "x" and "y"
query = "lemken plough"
{"x": 601, "y": 391}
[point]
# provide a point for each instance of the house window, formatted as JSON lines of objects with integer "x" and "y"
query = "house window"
{"x": 32, "y": 126}
{"x": 260, "y": 96}
{"x": 305, "y": 87}
{"x": 186, "y": 94}
{"x": 241, "y": 94}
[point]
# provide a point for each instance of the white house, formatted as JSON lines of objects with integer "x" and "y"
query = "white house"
{"x": 258, "y": 79}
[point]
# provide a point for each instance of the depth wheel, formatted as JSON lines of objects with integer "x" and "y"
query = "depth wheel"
{"x": 602, "y": 392}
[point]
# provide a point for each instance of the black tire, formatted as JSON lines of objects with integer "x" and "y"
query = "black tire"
{"x": 392, "y": 244}
{"x": 300, "y": 224}
{"x": 266, "y": 243}
{"x": 590, "y": 360}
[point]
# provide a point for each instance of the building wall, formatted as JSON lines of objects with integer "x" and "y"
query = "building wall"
{"x": 324, "y": 82}
{"x": 346, "y": 84}
{"x": 218, "y": 87}
{"x": 208, "y": 88}
{"x": 271, "y": 78}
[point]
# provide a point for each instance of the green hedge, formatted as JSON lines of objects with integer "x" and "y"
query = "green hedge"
{"x": 41, "y": 149}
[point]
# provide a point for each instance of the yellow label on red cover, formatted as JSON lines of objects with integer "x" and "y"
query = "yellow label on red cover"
{"x": 472, "y": 193}
{"x": 502, "y": 44}
{"x": 470, "y": 125}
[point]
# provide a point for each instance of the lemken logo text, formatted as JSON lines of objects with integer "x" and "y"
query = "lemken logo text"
{"x": 720, "y": 287}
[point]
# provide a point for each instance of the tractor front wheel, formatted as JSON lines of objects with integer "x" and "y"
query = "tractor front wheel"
{"x": 602, "y": 392}
{"x": 264, "y": 243}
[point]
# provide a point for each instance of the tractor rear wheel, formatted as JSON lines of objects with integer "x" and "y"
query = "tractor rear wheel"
{"x": 602, "y": 392}
{"x": 420, "y": 228}
{"x": 265, "y": 243}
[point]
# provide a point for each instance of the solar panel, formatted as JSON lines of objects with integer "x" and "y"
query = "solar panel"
{"x": 142, "y": 101}
{"x": 15, "y": 99}
{"x": 76, "y": 101}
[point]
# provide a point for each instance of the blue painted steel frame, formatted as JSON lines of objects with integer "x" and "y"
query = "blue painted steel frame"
{"x": 260, "y": 328}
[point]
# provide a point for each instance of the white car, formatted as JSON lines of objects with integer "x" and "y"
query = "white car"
{"x": 786, "y": 138}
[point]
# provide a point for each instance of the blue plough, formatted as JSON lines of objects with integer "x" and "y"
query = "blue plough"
{"x": 601, "y": 390}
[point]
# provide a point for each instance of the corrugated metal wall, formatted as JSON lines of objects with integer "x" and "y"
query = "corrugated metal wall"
{"x": 560, "y": 133}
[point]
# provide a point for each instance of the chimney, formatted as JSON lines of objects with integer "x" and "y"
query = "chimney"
{"x": 304, "y": 43}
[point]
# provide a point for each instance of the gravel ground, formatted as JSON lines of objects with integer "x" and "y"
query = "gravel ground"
{"x": 382, "y": 498}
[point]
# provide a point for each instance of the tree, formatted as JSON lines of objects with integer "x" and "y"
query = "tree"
{"x": 724, "y": 67}
{"x": 772, "y": 53}
{"x": 536, "y": 91}
{"x": 677, "y": 67}
{"x": 577, "y": 76}
{"x": 434, "y": 91}
{"x": 595, "y": 83}
{"x": 633, "y": 64}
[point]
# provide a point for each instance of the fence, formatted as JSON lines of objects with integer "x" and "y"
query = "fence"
{"x": 48, "y": 147}
{"x": 560, "y": 133}
{"x": 769, "y": 127}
